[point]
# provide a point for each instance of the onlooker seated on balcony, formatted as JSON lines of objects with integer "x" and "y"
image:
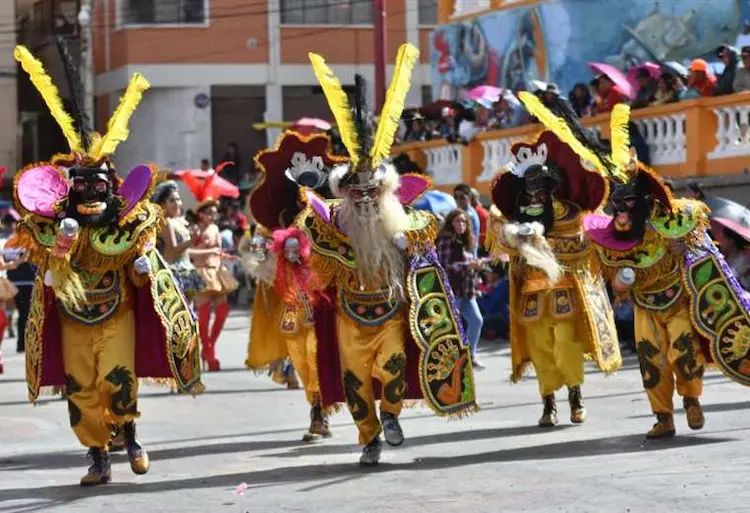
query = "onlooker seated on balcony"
{"x": 742, "y": 75}
{"x": 647, "y": 88}
{"x": 467, "y": 129}
{"x": 701, "y": 81}
{"x": 666, "y": 90}
{"x": 417, "y": 131}
{"x": 725, "y": 81}
{"x": 610, "y": 93}
{"x": 581, "y": 100}
{"x": 508, "y": 112}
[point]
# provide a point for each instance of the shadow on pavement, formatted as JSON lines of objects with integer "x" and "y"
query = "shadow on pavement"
{"x": 67, "y": 495}
{"x": 707, "y": 408}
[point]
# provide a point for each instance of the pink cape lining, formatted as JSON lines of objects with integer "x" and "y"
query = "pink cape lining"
{"x": 599, "y": 228}
{"x": 151, "y": 359}
{"x": 329, "y": 370}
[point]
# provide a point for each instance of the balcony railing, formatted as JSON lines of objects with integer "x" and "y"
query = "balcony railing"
{"x": 695, "y": 138}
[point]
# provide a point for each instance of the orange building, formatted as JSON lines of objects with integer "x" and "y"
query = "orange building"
{"x": 218, "y": 66}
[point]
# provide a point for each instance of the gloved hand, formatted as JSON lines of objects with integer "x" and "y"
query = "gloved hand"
{"x": 400, "y": 241}
{"x": 48, "y": 278}
{"x": 142, "y": 265}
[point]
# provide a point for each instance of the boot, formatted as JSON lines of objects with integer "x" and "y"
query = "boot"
{"x": 276, "y": 371}
{"x": 3, "y": 325}
{"x": 222, "y": 312}
{"x": 204, "y": 318}
{"x": 118, "y": 442}
{"x": 100, "y": 472}
{"x": 318, "y": 424}
{"x": 137, "y": 455}
{"x": 394, "y": 435}
{"x": 664, "y": 427}
{"x": 575, "y": 399}
{"x": 371, "y": 453}
{"x": 549, "y": 414}
{"x": 694, "y": 412}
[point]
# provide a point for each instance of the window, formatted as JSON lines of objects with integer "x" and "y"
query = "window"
{"x": 155, "y": 12}
{"x": 326, "y": 12}
{"x": 428, "y": 12}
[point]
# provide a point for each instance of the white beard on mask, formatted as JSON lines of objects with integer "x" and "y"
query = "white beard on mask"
{"x": 380, "y": 262}
{"x": 534, "y": 248}
{"x": 260, "y": 267}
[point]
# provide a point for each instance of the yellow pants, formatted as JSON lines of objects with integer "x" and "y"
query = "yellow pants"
{"x": 368, "y": 352}
{"x": 102, "y": 388}
{"x": 668, "y": 348}
{"x": 556, "y": 353}
{"x": 303, "y": 350}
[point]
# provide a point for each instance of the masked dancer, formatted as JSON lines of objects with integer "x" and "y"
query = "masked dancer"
{"x": 278, "y": 257}
{"x": 559, "y": 308}
{"x": 689, "y": 307}
{"x": 105, "y": 307}
{"x": 378, "y": 262}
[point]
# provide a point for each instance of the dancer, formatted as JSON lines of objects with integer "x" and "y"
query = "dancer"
{"x": 208, "y": 259}
{"x": 7, "y": 291}
{"x": 559, "y": 309}
{"x": 176, "y": 240}
{"x": 105, "y": 308}
{"x": 285, "y": 299}
{"x": 689, "y": 307}
{"x": 384, "y": 279}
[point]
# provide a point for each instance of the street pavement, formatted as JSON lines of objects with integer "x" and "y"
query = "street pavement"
{"x": 237, "y": 448}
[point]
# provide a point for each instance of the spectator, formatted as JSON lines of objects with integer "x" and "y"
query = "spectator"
{"x": 742, "y": 75}
{"x": 735, "y": 250}
{"x": 701, "y": 82}
{"x": 467, "y": 129}
{"x": 581, "y": 100}
{"x": 666, "y": 91}
{"x": 598, "y": 102}
{"x": 611, "y": 94}
{"x": 647, "y": 88}
{"x": 482, "y": 213}
{"x": 235, "y": 218}
{"x": 205, "y": 165}
{"x": 417, "y": 131}
{"x": 455, "y": 243}
{"x": 725, "y": 82}
{"x": 448, "y": 126}
{"x": 696, "y": 191}
{"x": 462, "y": 195}
{"x": 494, "y": 304}
{"x": 232, "y": 171}
{"x": 508, "y": 113}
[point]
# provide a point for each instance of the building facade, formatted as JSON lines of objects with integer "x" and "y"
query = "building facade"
{"x": 218, "y": 66}
{"x": 8, "y": 96}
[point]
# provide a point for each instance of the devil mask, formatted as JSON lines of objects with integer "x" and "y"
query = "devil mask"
{"x": 92, "y": 199}
{"x": 535, "y": 201}
{"x": 632, "y": 204}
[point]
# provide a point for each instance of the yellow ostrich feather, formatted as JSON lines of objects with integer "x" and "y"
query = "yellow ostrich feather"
{"x": 394, "y": 103}
{"x": 620, "y": 138}
{"x": 560, "y": 128}
{"x": 43, "y": 83}
{"x": 117, "y": 128}
{"x": 339, "y": 105}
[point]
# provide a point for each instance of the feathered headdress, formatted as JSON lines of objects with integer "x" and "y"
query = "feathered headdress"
{"x": 87, "y": 145}
{"x": 366, "y": 154}
{"x": 620, "y": 164}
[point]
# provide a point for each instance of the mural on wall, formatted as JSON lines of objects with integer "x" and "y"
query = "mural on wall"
{"x": 554, "y": 41}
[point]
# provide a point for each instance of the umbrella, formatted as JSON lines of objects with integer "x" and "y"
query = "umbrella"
{"x": 207, "y": 184}
{"x": 616, "y": 76}
{"x": 654, "y": 70}
{"x": 676, "y": 68}
{"x": 741, "y": 229}
{"x": 438, "y": 202}
{"x": 485, "y": 92}
{"x": 727, "y": 209}
{"x": 308, "y": 125}
{"x": 537, "y": 85}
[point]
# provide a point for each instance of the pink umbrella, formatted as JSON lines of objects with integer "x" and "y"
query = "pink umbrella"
{"x": 485, "y": 92}
{"x": 654, "y": 70}
{"x": 616, "y": 76}
{"x": 740, "y": 229}
{"x": 308, "y": 125}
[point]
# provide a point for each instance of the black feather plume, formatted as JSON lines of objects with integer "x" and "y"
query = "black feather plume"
{"x": 80, "y": 117}
{"x": 361, "y": 115}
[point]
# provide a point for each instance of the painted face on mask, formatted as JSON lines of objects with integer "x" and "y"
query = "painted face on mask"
{"x": 631, "y": 210}
{"x": 259, "y": 247}
{"x": 91, "y": 200}
{"x": 535, "y": 199}
{"x": 292, "y": 250}
{"x": 365, "y": 198}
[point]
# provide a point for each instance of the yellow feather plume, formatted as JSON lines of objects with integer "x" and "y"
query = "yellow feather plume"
{"x": 394, "y": 103}
{"x": 620, "y": 137}
{"x": 117, "y": 128}
{"x": 339, "y": 105}
{"x": 560, "y": 128}
{"x": 43, "y": 83}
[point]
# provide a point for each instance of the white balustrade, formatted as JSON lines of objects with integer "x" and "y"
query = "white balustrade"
{"x": 464, "y": 7}
{"x": 496, "y": 156}
{"x": 732, "y": 132}
{"x": 444, "y": 164}
{"x": 665, "y": 137}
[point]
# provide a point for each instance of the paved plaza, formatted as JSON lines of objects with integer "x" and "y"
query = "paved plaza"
{"x": 237, "y": 449}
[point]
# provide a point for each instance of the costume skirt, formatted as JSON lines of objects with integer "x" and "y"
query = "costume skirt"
{"x": 218, "y": 281}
